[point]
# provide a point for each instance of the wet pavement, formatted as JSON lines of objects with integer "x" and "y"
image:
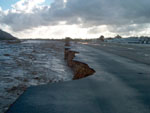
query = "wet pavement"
{"x": 120, "y": 85}
{"x": 29, "y": 63}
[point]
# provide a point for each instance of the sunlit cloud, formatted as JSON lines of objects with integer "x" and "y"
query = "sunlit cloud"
{"x": 58, "y": 31}
{"x": 80, "y": 18}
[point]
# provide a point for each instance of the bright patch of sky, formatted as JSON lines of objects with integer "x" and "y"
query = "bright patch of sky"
{"x": 48, "y": 2}
{"x": 75, "y": 18}
{"x": 6, "y": 4}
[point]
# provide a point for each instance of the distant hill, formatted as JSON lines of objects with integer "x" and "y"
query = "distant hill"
{"x": 6, "y": 36}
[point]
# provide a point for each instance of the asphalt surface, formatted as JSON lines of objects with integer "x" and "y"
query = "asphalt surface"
{"x": 120, "y": 85}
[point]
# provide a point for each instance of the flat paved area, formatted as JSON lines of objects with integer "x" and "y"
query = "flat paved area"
{"x": 120, "y": 85}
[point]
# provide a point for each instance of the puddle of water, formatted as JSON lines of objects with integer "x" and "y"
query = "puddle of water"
{"x": 29, "y": 63}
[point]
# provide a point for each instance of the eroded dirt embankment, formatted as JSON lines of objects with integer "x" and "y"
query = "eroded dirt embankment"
{"x": 34, "y": 62}
{"x": 80, "y": 69}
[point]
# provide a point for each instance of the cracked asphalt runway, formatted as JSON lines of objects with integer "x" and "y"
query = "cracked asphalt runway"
{"x": 120, "y": 85}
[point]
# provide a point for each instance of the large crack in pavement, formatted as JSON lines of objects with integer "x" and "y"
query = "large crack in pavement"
{"x": 79, "y": 68}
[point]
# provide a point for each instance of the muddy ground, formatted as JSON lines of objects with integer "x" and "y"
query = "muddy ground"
{"x": 120, "y": 83}
{"x": 37, "y": 62}
{"x": 29, "y": 63}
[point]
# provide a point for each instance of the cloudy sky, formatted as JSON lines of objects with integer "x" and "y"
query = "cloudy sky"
{"x": 75, "y": 18}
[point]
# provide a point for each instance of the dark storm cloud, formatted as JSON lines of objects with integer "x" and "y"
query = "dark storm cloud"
{"x": 89, "y": 13}
{"x": 110, "y": 12}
